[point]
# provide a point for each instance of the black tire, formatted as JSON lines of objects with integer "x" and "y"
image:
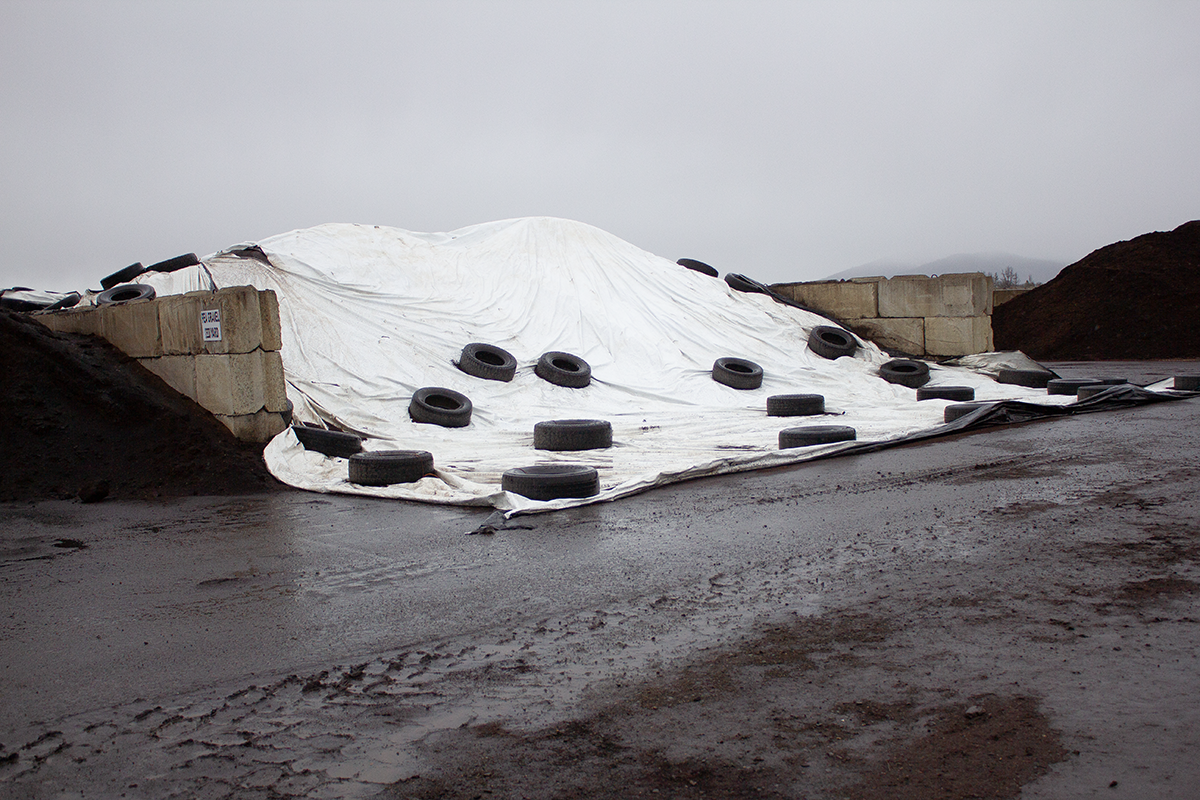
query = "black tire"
{"x": 1112, "y": 381}
{"x": 1091, "y": 390}
{"x": 1069, "y": 385}
{"x": 552, "y": 481}
{"x": 69, "y": 301}
{"x": 563, "y": 369}
{"x": 334, "y": 444}
{"x": 122, "y": 276}
{"x": 1032, "y": 378}
{"x": 830, "y": 342}
{"x": 698, "y": 266}
{"x": 488, "y": 362}
{"x": 385, "y": 467}
{"x": 125, "y": 293}
{"x": 1187, "y": 383}
{"x": 946, "y": 393}
{"x": 737, "y": 373}
{"x": 172, "y": 264}
{"x": 795, "y": 405}
{"x": 437, "y": 406}
{"x": 815, "y": 434}
{"x": 572, "y": 434}
{"x": 741, "y": 283}
{"x": 905, "y": 372}
{"x": 956, "y": 410}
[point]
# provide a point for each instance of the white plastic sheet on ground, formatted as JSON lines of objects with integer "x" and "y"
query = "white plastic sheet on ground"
{"x": 371, "y": 314}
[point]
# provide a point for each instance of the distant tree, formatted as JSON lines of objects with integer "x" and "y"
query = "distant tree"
{"x": 1007, "y": 279}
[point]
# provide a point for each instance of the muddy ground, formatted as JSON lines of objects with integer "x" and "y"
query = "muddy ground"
{"x": 1001, "y": 613}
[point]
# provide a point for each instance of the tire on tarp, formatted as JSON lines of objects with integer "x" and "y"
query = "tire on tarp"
{"x": 563, "y": 369}
{"x": 488, "y": 362}
{"x": 737, "y": 373}
{"x": 698, "y": 266}
{"x": 957, "y": 393}
{"x": 1070, "y": 385}
{"x": 335, "y": 444}
{"x": 436, "y": 405}
{"x": 1030, "y": 378}
{"x": 815, "y": 434}
{"x": 572, "y": 434}
{"x": 125, "y": 293}
{"x": 795, "y": 405}
{"x": 905, "y": 372}
{"x": 740, "y": 283}
{"x": 122, "y": 276}
{"x": 552, "y": 481}
{"x": 956, "y": 410}
{"x": 830, "y": 342}
{"x": 176, "y": 263}
{"x": 386, "y": 467}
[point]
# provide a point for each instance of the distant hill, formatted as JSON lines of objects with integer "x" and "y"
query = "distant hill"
{"x": 1039, "y": 269}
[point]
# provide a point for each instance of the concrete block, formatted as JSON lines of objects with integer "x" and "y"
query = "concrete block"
{"x": 1004, "y": 295}
{"x": 82, "y": 320}
{"x": 240, "y": 320}
{"x": 262, "y": 426}
{"x": 179, "y": 321}
{"x": 236, "y": 328}
{"x": 958, "y": 336}
{"x": 839, "y": 299}
{"x": 178, "y": 372}
{"x": 231, "y": 383}
{"x": 268, "y": 306}
{"x": 132, "y": 328}
{"x": 962, "y": 295}
{"x": 905, "y": 335}
{"x": 274, "y": 388}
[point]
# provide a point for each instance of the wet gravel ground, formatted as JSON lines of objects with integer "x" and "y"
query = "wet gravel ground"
{"x": 1014, "y": 610}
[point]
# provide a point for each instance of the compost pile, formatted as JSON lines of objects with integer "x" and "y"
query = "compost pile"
{"x": 1130, "y": 300}
{"x": 83, "y": 419}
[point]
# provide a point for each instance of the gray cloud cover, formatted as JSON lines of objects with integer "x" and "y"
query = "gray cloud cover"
{"x": 786, "y": 141}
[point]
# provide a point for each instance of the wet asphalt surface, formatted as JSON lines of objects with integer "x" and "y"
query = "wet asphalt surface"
{"x": 314, "y": 645}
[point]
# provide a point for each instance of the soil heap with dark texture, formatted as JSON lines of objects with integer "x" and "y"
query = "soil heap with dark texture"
{"x": 1138, "y": 299}
{"x": 80, "y": 418}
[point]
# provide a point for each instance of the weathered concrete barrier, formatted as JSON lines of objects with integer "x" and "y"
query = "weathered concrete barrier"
{"x": 946, "y": 315}
{"x": 220, "y": 348}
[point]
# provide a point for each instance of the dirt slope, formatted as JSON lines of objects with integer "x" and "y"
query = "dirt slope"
{"x": 77, "y": 414}
{"x": 1138, "y": 299}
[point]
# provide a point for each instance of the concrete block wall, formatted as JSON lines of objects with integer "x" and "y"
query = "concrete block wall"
{"x": 945, "y": 315}
{"x": 220, "y": 348}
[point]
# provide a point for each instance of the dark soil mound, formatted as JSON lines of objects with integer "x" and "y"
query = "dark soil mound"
{"x": 80, "y": 418}
{"x": 1131, "y": 300}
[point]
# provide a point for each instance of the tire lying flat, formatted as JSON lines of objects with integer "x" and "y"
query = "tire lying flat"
{"x": 737, "y": 373}
{"x": 960, "y": 393}
{"x": 563, "y": 369}
{"x": 552, "y": 481}
{"x": 122, "y": 276}
{"x": 956, "y": 410}
{"x": 1031, "y": 378}
{"x": 387, "y": 467}
{"x": 436, "y": 405}
{"x": 698, "y": 266}
{"x": 905, "y": 372}
{"x": 572, "y": 434}
{"x": 488, "y": 362}
{"x": 125, "y": 293}
{"x": 335, "y": 444}
{"x": 830, "y": 342}
{"x": 815, "y": 434}
{"x": 1069, "y": 385}
{"x": 795, "y": 405}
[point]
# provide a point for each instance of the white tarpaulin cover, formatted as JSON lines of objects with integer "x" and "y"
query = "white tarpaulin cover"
{"x": 371, "y": 314}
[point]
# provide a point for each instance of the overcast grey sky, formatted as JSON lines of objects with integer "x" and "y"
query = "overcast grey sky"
{"x": 782, "y": 140}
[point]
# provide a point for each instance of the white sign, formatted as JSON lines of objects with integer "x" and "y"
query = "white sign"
{"x": 210, "y": 324}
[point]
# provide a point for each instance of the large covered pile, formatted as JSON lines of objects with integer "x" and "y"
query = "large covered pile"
{"x": 1138, "y": 299}
{"x": 81, "y": 418}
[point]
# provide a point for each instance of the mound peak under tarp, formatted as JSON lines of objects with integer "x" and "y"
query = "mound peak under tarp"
{"x": 371, "y": 314}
